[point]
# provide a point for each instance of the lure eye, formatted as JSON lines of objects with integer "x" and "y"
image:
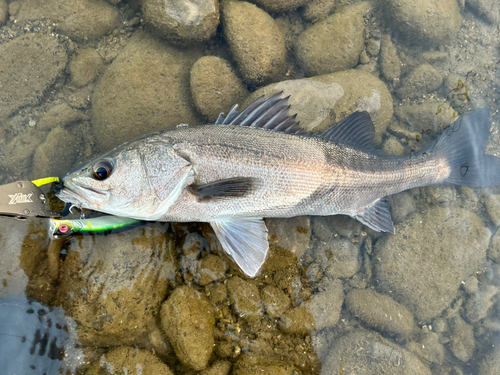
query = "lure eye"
{"x": 63, "y": 228}
{"x": 102, "y": 169}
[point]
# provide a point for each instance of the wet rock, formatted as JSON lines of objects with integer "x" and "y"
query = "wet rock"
{"x": 259, "y": 52}
{"x": 326, "y": 304}
{"x": 183, "y": 22}
{"x": 428, "y": 347}
{"x": 291, "y": 234}
{"x": 423, "y": 80}
{"x": 402, "y": 205}
{"x": 85, "y": 67}
{"x": 4, "y": 11}
{"x": 462, "y": 341}
{"x": 78, "y": 19}
{"x": 444, "y": 246}
{"x": 434, "y": 22}
{"x": 494, "y": 249}
{"x": 130, "y": 97}
{"x": 280, "y": 5}
{"x": 324, "y": 100}
{"x": 490, "y": 364}
{"x": 492, "y": 205}
{"x": 426, "y": 118}
{"x": 479, "y": 302}
{"x": 256, "y": 365}
{"x": 215, "y": 87}
{"x": 217, "y": 293}
{"x": 19, "y": 152}
{"x": 188, "y": 320}
{"x": 57, "y": 154}
{"x": 113, "y": 286}
{"x": 393, "y": 146}
{"x": 60, "y": 115}
{"x": 317, "y": 10}
{"x": 328, "y": 227}
{"x": 456, "y": 91}
{"x": 380, "y": 312}
{"x": 333, "y": 44}
{"x": 245, "y": 298}
{"x": 435, "y": 57}
{"x": 218, "y": 368}
{"x": 390, "y": 62}
{"x": 469, "y": 199}
{"x": 470, "y": 285}
{"x": 378, "y": 356}
{"x": 275, "y": 301}
{"x": 441, "y": 195}
{"x": 339, "y": 257}
{"x": 211, "y": 268}
{"x": 30, "y": 65}
{"x": 297, "y": 321}
{"x": 488, "y": 9}
{"x": 129, "y": 361}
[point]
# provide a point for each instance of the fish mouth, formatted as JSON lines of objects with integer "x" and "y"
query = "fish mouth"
{"x": 79, "y": 194}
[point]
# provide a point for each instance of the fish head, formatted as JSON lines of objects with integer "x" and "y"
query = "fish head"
{"x": 140, "y": 181}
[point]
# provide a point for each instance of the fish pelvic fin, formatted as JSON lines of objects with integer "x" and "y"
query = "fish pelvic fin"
{"x": 378, "y": 216}
{"x": 245, "y": 241}
{"x": 464, "y": 144}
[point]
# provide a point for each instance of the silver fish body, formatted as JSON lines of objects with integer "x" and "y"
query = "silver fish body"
{"x": 257, "y": 163}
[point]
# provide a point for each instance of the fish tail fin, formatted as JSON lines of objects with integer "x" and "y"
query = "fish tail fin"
{"x": 464, "y": 144}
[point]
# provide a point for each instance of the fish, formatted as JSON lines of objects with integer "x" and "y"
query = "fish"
{"x": 258, "y": 163}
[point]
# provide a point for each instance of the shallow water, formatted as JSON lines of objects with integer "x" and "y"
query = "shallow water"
{"x": 334, "y": 297}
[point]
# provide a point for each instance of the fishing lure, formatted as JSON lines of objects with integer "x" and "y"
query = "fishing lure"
{"x": 59, "y": 228}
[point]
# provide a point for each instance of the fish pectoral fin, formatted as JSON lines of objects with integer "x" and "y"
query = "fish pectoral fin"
{"x": 378, "y": 216}
{"x": 236, "y": 187}
{"x": 245, "y": 241}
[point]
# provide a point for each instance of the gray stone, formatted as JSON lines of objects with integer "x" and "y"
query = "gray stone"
{"x": 60, "y": 115}
{"x": 339, "y": 257}
{"x": 402, "y": 205}
{"x": 4, "y": 12}
{"x": 389, "y": 59}
{"x": 323, "y": 100}
{"x": 492, "y": 205}
{"x": 494, "y": 249}
{"x": 183, "y": 22}
{"x": 428, "y": 118}
{"x": 258, "y": 51}
{"x": 423, "y": 264}
{"x": 428, "y": 347}
{"x": 462, "y": 341}
{"x": 423, "y": 80}
{"x": 488, "y": 9}
{"x": 479, "y": 302}
{"x": 187, "y": 318}
{"x": 78, "y": 19}
{"x": 364, "y": 353}
{"x": 215, "y": 87}
{"x": 85, "y": 67}
{"x": 280, "y": 5}
{"x": 434, "y": 22}
{"x": 333, "y": 44}
{"x": 326, "y": 305}
{"x": 435, "y": 57}
{"x": 19, "y": 153}
{"x": 380, "y": 312}
{"x": 291, "y": 234}
{"x": 30, "y": 64}
{"x": 131, "y": 97}
{"x": 317, "y": 10}
{"x": 57, "y": 154}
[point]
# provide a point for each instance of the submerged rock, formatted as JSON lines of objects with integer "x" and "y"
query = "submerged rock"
{"x": 78, "y": 19}
{"x": 462, "y": 341}
{"x": 258, "y": 51}
{"x": 245, "y": 298}
{"x": 423, "y": 264}
{"x": 4, "y": 12}
{"x": 144, "y": 89}
{"x": 333, "y": 44}
{"x": 30, "y": 64}
{"x": 423, "y": 80}
{"x": 280, "y": 5}
{"x": 85, "y": 67}
{"x": 326, "y": 304}
{"x": 434, "y": 22}
{"x": 187, "y": 318}
{"x": 183, "y": 22}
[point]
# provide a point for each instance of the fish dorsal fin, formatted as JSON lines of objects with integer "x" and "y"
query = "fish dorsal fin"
{"x": 269, "y": 114}
{"x": 236, "y": 187}
{"x": 355, "y": 130}
{"x": 378, "y": 216}
{"x": 245, "y": 241}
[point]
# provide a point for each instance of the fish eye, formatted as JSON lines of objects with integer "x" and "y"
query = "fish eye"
{"x": 102, "y": 169}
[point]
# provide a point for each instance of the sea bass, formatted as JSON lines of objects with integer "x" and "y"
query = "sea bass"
{"x": 259, "y": 163}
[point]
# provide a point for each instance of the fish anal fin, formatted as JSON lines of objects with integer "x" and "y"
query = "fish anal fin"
{"x": 245, "y": 241}
{"x": 236, "y": 187}
{"x": 378, "y": 216}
